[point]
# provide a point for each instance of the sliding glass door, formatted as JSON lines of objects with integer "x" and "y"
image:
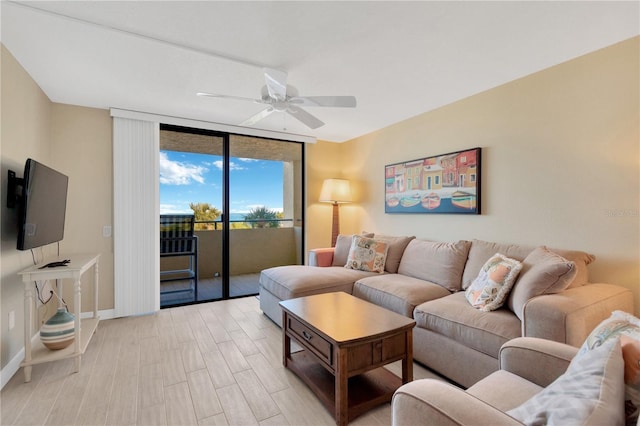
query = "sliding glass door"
{"x": 244, "y": 195}
{"x": 265, "y": 204}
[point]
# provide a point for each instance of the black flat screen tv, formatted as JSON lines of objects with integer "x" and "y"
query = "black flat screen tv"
{"x": 42, "y": 206}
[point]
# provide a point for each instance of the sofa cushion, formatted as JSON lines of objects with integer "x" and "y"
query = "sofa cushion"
{"x": 481, "y": 251}
{"x": 367, "y": 254}
{"x": 543, "y": 272}
{"x": 589, "y": 393}
{"x": 491, "y": 287}
{"x": 287, "y": 282}
{"x": 342, "y": 247}
{"x": 504, "y": 390}
{"x": 398, "y": 293}
{"x": 397, "y": 245}
{"x": 439, "y": 263}
{"x": 453, "y": 317}
{"x": 581, "y": 259}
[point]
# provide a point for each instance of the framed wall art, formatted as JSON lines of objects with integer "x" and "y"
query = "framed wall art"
{"x": 447, "y": 183}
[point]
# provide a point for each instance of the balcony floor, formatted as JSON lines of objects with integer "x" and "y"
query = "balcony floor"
{"x": 208, "y": 289}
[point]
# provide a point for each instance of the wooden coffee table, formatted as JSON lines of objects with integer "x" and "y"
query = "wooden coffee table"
{"x": 346, "y": 341}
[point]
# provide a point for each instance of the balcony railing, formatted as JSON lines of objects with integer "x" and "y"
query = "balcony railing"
{"x": 216, "y": 225}
{"x": 250, "y": 249}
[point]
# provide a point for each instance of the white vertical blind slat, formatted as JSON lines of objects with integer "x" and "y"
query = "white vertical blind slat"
{"x": 136, "y": 216}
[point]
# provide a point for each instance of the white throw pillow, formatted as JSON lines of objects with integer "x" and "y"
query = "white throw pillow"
{"x": 491, "y": 287}
{"x": 590, "y": 392}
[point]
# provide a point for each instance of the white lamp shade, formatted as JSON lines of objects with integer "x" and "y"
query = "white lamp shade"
{"x": 336, "y": 191}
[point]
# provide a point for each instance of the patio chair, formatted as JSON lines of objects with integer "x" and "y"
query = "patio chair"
{"x": 177, "y": 239}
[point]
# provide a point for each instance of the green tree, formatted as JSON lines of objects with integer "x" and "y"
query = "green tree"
{"x": 263, "y": 217}
{"x": 204, "y": 212}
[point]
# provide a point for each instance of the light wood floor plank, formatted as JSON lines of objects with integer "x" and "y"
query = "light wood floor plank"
{"x": 172, "y": 367}
{"x": 256, "y": 396}
{"x": 150, "y": 386}
{"x": 218, "y": 370}
{"x": 123, "y": 403}
{"x": 267, "y": 374}
{"x": 205, "y": 398}
{"x": 192, "y": 357}
{"x": 153, "y": 415}
{"x": 236, "y": 408}
{"x": 233, "y": 356}
{"x": 178, "y": 405}
{"x": 278, "y": 420}
{"x": 244, "y": 343}
{"x": 217, "y": 420}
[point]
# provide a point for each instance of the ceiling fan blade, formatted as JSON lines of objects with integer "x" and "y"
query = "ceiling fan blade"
{"x": 325, "y": 101}
{"x": 276, "y": 83}
{"x": 238, "y": 98}
{"x": 257, "y": 117}
{"x": 304, "y": 117}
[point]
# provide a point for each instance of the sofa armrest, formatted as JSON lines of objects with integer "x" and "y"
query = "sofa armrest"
{"x": 321, "y": 257}
{"x": 569, "y": 316}
{"x": 434, "y": 402}
{"x": 550, "y": 359}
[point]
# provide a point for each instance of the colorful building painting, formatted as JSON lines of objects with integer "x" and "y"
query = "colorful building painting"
{"x": 447, "y": 183}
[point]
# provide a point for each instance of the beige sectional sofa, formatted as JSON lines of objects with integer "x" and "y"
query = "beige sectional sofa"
{"x": 551, "y": 299}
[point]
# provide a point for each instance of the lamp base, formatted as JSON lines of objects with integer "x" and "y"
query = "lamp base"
{"x": 335, "y": 225}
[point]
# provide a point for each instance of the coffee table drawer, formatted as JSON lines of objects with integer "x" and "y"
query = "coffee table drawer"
{"x": 311, "y": 340}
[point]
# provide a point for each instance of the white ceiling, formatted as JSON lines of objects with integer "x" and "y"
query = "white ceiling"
{"x": 399, "y": 59}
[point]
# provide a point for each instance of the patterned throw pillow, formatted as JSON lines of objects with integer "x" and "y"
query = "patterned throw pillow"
{"x": 619, "y": 323}
{"x": 367, "y": 254}
{"x": 589, "y": 392}
{"x": 491, "y": 287}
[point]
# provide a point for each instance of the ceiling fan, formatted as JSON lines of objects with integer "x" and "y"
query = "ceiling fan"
{"x": 281, "y": 97}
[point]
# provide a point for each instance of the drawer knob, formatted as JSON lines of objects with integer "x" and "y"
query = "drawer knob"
{"x": 306, "y": 335}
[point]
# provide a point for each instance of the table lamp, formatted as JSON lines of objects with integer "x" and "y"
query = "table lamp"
{"x": 335, "y": 191}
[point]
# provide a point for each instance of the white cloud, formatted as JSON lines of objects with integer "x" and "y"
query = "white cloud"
{"x": 179, "y": 173}
{"x": 232, "y": 166}
{"x": 174, "y": 209}
{"x": 247, "y": 160}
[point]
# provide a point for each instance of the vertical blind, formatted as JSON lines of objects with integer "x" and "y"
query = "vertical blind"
{"x": 136, "y": 242}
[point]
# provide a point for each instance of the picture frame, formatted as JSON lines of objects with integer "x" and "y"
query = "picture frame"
{"x": 445, "y": 183}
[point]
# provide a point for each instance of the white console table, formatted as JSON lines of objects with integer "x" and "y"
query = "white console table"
{"x": 84, "y": 329}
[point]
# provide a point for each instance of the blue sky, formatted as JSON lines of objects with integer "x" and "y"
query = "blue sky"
{"x": 187, "y": 177}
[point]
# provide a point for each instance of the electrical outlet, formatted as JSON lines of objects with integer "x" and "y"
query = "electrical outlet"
{"x": 106, "y": 231}
{"x": 12, "y": 320}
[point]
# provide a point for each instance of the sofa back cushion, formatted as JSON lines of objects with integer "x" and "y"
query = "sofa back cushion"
{"x": 439, "y": 263}
{"x": 343, "y": 245}
{"x": 481, "y": 251}
{"x": 581, "y": 260}
{"x": 543, "y": 272}
{"x": 397, "y": 245}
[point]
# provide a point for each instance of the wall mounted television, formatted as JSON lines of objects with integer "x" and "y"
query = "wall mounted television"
{"x": 41, "y": 198}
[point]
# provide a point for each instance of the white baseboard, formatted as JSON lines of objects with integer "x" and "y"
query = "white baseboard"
{"x": 13, "y": 365}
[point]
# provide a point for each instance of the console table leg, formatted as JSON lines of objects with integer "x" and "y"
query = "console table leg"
{"x": 27, "y": 374}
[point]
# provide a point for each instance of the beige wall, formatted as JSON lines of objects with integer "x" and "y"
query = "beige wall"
{"x": 77, "y": 142}
{"x": 83, "y": 150}
{"x": 560, "y": 165}
{"x": 25, "y": 125}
